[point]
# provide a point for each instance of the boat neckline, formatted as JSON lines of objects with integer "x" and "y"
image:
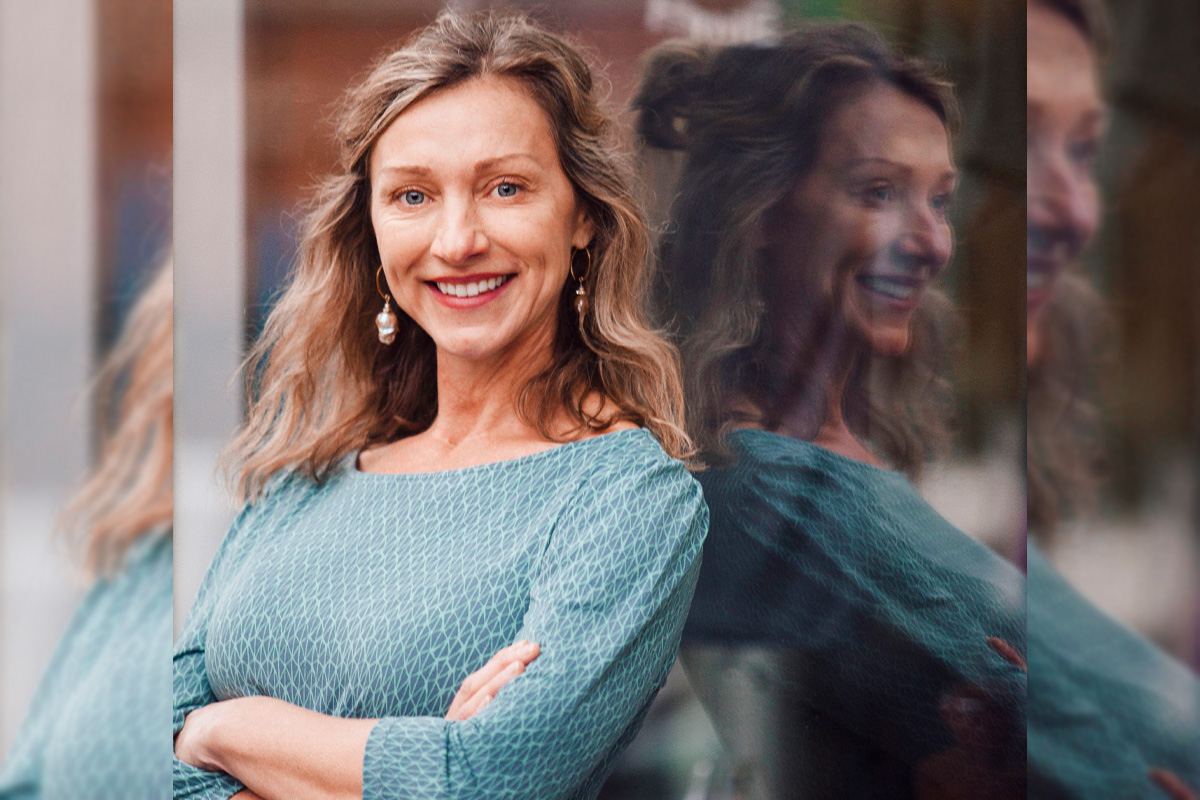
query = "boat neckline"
{"x": 353, "y": 468}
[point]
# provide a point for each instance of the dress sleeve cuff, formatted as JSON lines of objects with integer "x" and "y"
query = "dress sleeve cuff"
{"x": 201, "y": 784}
{"x": 406, "y": 759}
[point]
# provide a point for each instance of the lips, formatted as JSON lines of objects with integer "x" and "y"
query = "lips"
{"x": 469, "y": 291}
{"x": 1040, "y": 273}
{"x": 895, "y": 289}
{"x": 472, "y": 289}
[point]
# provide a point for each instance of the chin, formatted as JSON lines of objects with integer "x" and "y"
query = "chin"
{"x": 891, "y": 344}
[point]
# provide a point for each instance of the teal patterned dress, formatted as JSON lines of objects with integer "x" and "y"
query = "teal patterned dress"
{"x": 375, "y": 596}
{"x": 98, "y": 725}
{"x": 845, "y": 637}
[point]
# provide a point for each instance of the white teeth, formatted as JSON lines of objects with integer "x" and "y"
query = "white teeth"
{"x": 886, "y": 286}
{"x": 470, "y": 289}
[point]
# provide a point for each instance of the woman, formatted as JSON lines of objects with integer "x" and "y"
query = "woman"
{"x": 489, "y": 459}
{"x": 97, "y": 726}
{"x": 1110, "y": 713}
{"x": 847, "y": 640}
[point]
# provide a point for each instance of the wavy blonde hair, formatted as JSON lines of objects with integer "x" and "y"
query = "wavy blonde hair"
{"x": 750, "y": 120}
{"x": 129, "y": 493}
{"x": 320, "y": 383}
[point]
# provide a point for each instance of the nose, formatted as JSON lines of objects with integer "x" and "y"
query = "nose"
{"x": 459, "y": 236}
{"x": 1063, "y": 201}
{"x": 926, "y": 241}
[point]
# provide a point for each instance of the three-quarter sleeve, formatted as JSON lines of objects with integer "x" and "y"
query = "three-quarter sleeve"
{"x": 607, "y": 606}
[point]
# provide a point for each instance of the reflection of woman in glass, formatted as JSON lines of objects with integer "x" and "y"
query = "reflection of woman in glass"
{"x": 97, "y": 726}
{"x": 847, "y": 640}
{"x": 1110, "y": 714}
{"x": 486, "y": 460}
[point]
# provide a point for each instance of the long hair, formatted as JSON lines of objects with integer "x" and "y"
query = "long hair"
{"x": 1064, "y": 447}
{"x": 129, "y": 493}
{"x": 320, "y": 383}
{"x": 750, "y": 121}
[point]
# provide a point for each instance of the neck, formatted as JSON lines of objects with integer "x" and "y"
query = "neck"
{"x": 477, "y": 399}
{"x": 831, "y": 368}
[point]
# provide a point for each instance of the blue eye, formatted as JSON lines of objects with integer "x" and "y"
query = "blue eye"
{"x": 878, "y": 194}
{"x": 507, "y": 190}
{"x": 941, "y": 202}
{"x": 412, "y": 197}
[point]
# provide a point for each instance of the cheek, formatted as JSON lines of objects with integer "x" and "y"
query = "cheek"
{"x": 863, "y": 242}
{"x": 1089, "y": 213}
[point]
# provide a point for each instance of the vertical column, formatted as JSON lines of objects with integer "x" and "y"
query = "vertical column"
{"x": 209, "y": 223}
{"x": 47, "y": 289}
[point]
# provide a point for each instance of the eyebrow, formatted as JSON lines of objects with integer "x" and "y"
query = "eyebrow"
{"x": 486, "y": 165}
{"x": 857, "y": 162}
{"x": 1097, "y": 115}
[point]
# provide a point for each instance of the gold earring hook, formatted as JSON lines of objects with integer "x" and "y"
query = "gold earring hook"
{"x": 571, "y": 266}
{"x": 379, "y": 287}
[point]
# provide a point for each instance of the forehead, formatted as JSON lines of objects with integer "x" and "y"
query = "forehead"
{"x": 885, "y": 122}
{"x": 1060, "y": 65}
{"x": 481, "y": 118}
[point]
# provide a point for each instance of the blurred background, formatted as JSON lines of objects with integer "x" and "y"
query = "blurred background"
{"x": 85, "y": 215}
{"x": 1136, "y": 556}
{"x": 86, "y": 183}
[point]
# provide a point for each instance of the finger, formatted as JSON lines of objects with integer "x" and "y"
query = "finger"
{"x": 522, "y": 652}
{"x": 479, "y": 677}
{"x": 485, "y": 694}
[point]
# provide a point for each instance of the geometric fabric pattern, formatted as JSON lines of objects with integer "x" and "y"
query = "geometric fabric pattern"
{"x": 375, "y": 596}
{"x": 97, "y": 727}
{"x": 838, "y": 623}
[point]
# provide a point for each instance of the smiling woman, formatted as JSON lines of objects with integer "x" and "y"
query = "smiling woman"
{"x": 490, "y": 468}
{"x": 846, "y": 640}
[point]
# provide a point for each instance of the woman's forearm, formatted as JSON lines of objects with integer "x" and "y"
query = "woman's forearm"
{"x": 285, "y": 752}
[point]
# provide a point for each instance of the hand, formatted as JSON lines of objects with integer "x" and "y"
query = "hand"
{"x": 191, "y": 743}
{"x": 481, "y": 686}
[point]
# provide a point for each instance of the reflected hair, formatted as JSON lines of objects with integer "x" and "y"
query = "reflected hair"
{"x": 321, "y": 385}
{"x": 750, "y": 120}
{"x": 1064, "y": 448}
{"x": 128, "y": 494}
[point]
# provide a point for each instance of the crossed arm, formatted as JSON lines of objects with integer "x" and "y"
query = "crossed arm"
{"x": 607, "y": 604}
{"x": 280, "y": 751}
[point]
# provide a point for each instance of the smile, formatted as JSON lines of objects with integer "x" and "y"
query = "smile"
{"x": 471, "y": 289}
{"x": 897, "y": 288}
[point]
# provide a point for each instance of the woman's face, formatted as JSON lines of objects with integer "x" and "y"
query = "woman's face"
{"x": 475, "y": 219}
{"x": 1066, "y": 119}
{"x": 865, "y": 231}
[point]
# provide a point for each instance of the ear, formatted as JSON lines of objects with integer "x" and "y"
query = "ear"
{"x": 585, "y": 230}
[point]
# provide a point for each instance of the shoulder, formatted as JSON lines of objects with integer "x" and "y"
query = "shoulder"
{"x": 628, "y": 480}
{"x": 770, "y": 484}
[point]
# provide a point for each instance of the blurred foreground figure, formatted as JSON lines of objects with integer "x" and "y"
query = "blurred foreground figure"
{"x": 846, "y": 640}
{"x": 99, "y": 725}
{"x": 1110, "y": 714}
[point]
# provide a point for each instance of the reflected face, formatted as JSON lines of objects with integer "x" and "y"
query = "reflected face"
{"x": 865, "y": 231}
{"x": 475, "y": 219}
{"x": 1066, "y": 120}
